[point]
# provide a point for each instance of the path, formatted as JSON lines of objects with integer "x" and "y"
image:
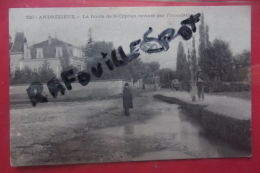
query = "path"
{"x": 229, "y": 106}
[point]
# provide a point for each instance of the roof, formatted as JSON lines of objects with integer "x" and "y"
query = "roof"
{"x": 18, "y": 42}
{"x": 49, "y": 50}
{"x": 39, "y": 59}
{"x": 54, "y": 41}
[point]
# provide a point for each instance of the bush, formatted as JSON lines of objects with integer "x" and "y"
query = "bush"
{"x": 239, "y": 87}
{"x": 228, "y": 87}
{"x": 23, "y": 76}
{"x": 26, "y": 75}
{"x": 233, "y": 87}
{"x": 224, "y": 88}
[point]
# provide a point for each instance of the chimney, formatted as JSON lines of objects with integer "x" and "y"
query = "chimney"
{"x": 27, "y": 52}
{"x": 25, "y": 44}
{"x": 49, "y": 39}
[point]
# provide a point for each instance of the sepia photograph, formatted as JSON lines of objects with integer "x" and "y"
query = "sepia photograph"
{"x": 121, "y": 84}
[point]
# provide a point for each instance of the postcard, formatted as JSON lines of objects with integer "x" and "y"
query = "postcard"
{"x": 116, "y": 84}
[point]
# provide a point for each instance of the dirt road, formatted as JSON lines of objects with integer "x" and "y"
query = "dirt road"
{"x": 97, "y": 131}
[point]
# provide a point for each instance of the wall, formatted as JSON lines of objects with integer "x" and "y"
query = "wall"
{"x": 14, "y": 61}
{"x": 138, "y": 84}
{"x": 95, "y": 89}
{"x": 149, "y": 86}
{"x": 129, "y": 82}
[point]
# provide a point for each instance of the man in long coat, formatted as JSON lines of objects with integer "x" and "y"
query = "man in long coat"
{"x": 200, "y": 85}
{"x": 127, "y": 99}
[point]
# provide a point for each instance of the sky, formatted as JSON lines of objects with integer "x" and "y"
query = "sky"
{"x": 230, "y": 23}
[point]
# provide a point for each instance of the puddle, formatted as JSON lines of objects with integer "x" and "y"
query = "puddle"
{"x": 182, "y": 137}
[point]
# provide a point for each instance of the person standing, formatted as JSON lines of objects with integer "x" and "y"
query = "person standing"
{"x": 127, "y": 99}
{"x": 200, "y": 85}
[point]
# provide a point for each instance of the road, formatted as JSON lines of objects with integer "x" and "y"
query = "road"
{"x": 97, "y": 131}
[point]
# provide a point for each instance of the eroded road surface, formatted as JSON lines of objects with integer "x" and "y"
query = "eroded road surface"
{"x": 97, "y": 131}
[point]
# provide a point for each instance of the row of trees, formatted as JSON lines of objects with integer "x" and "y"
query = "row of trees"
{"x": 215, "y": 59}
{"x": 218, "y": 61}
{"x": 27, "y": 75}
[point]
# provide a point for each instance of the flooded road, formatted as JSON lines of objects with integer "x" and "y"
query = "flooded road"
{"x": 179, "y": 136}
{"x": 97, "y": 131}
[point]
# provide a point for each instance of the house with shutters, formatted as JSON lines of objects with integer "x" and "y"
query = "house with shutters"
{"x": 51, "y": 50}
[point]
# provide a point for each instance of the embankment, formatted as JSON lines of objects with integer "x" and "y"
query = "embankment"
{"x": 235, "y": 131}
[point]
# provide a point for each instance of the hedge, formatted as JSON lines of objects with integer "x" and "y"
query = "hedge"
{"x": 229, "y": 87}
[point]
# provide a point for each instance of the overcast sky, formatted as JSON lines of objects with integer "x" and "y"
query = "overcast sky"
{"x": 230, "y": 23}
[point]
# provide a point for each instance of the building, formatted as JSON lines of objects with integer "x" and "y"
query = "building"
{"x": 51, "y": 50}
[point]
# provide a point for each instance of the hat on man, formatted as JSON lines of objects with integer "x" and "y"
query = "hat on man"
{"x": 126, "y": 84}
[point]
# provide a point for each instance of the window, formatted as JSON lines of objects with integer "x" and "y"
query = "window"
{"x": 58, "y": 69}
{"x": 27, "y": 54}
{"x": 74, "y": 52}
{"x": 80, "y": 53}
{"x": 21, "y": 65}
{"x": 58, "y": 52}
{"x": 39, "y": 53}
{"x": 77, "y": 52}
{"x": 79, "y": 67}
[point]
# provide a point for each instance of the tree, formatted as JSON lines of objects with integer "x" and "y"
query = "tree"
{"x": 10, "y": 42}
{"x": 89, "y": 50}
{"x": 193, "y": 63}
{"x": 45, "y": 73}
{"x": 27, "y": 75}
{"x": 166, "y": 76}
{"x": 181, "y": 61}
{"x": 204, "y": 43}
{"x": 207, "y": 42}
{"x": 138, "y": 69}
{"x": 189, "y": 57}
{"x": 154, "y": 66}
{"x": 135, "y": 69}
{"x": 95, "y": 56}
{"x": 202, "y": 39}
{"x": 242, "y": 65}
{"x": 23, "y": 76}
{"x": 149, "y": 70}
{"x": 217, "y": 61}
{"x": 182, "y": 67}
{"x": 224, "y": 55}
{"x": 243, "y": 59}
